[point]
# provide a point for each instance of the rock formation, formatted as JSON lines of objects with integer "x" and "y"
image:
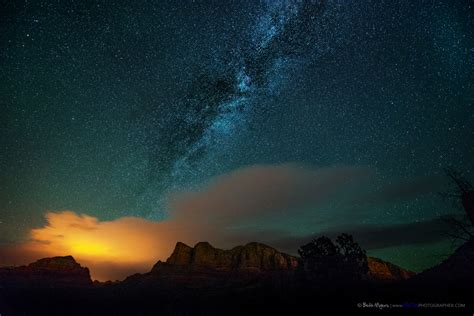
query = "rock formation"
{"x": 205, "y": 266}
{"x": 253, "y": 256}
{"x": 47, "y": 272}
{"x": 386, "y": 271}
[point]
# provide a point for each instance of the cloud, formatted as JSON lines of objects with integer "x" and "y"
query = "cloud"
{"x": 265, "y": 190}
{"x": 114, "y": 249}
{"x": 130, "y": 242}
{"x": 372, "y": 237}
{"x": 403, "y": 190}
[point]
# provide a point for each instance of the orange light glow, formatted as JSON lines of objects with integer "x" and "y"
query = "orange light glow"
{"x": 129, "y": 244}
{"x": 110, "y": 249}
{"x": 90, "y": 248}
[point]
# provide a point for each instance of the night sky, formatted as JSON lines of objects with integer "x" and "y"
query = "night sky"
{"x": 114, "y": 109}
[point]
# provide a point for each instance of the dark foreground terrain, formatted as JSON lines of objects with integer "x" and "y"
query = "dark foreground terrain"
{"x": 246, "y": 280}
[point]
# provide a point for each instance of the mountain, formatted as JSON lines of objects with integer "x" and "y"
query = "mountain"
{"x": 251, "y": 257}
{"x": 206, "y": 266}
{"x": 48, "y": 272}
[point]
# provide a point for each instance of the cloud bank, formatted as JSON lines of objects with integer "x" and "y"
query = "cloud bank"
{"x": 265, "y": 190}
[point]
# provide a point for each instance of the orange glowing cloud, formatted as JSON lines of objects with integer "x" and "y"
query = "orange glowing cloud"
{"x": 88, "y": 238}
{"x": 111, "y": 249}
{"x": 132, "y": 243}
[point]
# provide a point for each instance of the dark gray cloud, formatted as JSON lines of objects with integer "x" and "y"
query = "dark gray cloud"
{"x": 330, "y": 196}
{"x": 262, "y": 190}
{"x": 372, "y": 237}
{"x": 403, "y": 190}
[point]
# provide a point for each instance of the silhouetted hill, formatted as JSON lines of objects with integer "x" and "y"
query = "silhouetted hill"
{"x": 457, "y": 269}
{"x": 47, "y": 272}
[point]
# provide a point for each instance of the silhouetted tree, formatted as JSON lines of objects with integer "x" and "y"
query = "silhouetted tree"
{"x": 465, "y": 192}
{"x": 461, "y": 228}
{"x": 319, "y": 258}
{"x": 354, "y": 258}
{"x": 324, "y": 261}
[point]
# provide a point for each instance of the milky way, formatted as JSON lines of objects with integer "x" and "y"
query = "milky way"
{"x": 220, "y": 101}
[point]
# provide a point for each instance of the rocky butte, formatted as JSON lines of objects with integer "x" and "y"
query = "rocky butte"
{"x": 56, "y": 272}
{"x": 206, "y": 266}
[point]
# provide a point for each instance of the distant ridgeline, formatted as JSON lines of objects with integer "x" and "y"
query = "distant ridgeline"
{"x": 200, "y": 266}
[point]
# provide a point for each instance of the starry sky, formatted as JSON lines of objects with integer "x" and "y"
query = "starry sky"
{"x": 112, "y": 108}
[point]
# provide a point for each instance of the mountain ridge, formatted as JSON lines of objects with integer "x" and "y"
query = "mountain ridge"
{"x": 206, "y": 266}
{"x": 201, "y": 265}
